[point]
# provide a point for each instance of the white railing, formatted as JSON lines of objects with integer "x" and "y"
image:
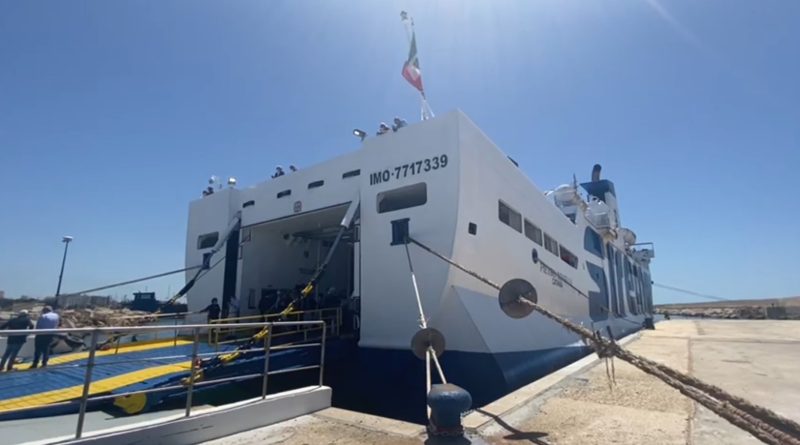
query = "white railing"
{"x": 90, "y": 363}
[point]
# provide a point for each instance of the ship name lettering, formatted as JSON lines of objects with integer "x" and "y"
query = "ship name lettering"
{"x": 557, "y": 278}
{"x": 379, "y": 177}
{"x": 410, "y": 169}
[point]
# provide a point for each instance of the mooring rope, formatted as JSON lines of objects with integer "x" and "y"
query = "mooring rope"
{"x": 423, "y": 323}
{"x": 762, "y": 423}
{"x": 133, "y": 281}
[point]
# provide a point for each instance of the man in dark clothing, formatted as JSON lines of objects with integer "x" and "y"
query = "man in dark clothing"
{"x": 213, "y": 310}
{"x": 15, "y": 342}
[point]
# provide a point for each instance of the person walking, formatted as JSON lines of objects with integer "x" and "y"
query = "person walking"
{"x": 48, "y": 320}
{"x": 15, "y": 342}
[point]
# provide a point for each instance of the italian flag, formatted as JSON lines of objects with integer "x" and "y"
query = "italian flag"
{"x": 411, "y": 70}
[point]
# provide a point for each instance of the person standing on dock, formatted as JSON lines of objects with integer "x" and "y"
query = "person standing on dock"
{"x": 15, "y": 342}
{"x": 48, "y": 320}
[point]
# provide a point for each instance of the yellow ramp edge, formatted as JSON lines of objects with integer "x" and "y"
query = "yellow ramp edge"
{"x": 97, "y": 387}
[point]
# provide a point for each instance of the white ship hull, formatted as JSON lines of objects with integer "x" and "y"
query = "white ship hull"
{"x": 449, "y": 180}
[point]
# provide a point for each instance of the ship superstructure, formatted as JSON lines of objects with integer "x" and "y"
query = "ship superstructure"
{"x": 464, "y": 198}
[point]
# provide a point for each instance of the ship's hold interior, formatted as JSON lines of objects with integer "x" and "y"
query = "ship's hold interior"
{"x": 279, "y": 257}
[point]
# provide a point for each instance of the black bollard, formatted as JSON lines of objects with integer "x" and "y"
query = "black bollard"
{"x": 447, "y": 402}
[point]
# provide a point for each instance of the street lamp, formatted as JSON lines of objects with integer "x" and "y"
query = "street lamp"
{"x": 66, "y": 240}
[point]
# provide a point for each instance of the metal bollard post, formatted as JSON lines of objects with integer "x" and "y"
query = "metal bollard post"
{"x": 322, "y": 355}
{"x": 175, "y": 338}
{"x": 195, "y": 342}
{"x": 267, "y": 346}
{"x": 87, "y": 380}
{"x": 216, "y": 339}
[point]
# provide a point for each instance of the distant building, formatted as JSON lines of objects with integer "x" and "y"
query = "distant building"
{"x": 2, "y": 294}
{"x": 82, "y": 301}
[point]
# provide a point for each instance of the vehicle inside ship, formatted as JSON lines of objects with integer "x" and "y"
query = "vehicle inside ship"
{"x": 280, "y": 257}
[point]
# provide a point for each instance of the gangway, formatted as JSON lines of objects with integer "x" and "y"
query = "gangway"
{"x": 137, "y": 377}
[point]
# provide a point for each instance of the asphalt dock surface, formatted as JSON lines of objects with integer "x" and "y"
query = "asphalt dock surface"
{"x": 758, "y": 360}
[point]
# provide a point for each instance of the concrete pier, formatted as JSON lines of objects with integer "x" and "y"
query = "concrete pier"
{"x": 757, "y": 360}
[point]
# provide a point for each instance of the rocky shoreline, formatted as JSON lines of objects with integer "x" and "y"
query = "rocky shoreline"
{"x": 98, "y": 317}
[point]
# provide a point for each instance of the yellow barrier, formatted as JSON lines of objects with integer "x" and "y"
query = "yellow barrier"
{"x": 332, "y": 315}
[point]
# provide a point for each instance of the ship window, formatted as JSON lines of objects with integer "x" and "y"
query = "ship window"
{"x": 592, "y": 242}
{"x": 472, "y": 229}
{"x": 403, "y": 198}
{"x": 533, "y": 233}
{"x": 550, "y": 244}
{"x": 509, "y": 216}
{"x": 351, "y": 174}
{"x": 316, "y": 184}
{"x": 207, "y": 240}
{"x": 569, "y": 257}
{"x": 284, "y": 193}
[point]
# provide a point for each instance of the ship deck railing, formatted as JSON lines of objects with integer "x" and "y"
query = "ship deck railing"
{"x": 332, "y": 316}
{"x": 176, "y": 364}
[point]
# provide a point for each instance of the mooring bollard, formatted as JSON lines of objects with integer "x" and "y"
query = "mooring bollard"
{"x": 447, "y": 402}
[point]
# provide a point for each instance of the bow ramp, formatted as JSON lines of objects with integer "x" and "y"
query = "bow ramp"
{"x": 129, "y": 379}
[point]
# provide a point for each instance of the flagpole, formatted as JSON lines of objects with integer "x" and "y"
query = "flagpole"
{"x": 425, "y": 109}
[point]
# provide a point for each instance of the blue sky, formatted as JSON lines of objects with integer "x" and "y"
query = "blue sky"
{"x": 114, "y": 114}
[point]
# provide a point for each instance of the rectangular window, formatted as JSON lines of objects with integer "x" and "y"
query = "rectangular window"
{"x": 550, "y": 244}
{"x": 592, "y": 242}
{"x": 403, "y": 197}
{"x": 569, "y": 257}
{"x": 509, "y": 216}
{"x": 284, "y": 193}
{"x": 316, "y": 184}
{"x": 351, "y": 174}
{"x": 533, "y": 233}
{"x": 207, "y": 240}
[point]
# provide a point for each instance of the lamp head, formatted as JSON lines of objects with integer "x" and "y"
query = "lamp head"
{"x": 66, "y": 239}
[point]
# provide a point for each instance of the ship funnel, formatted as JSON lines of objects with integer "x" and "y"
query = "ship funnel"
{"x": 596, "y": 172}
{"x": 513, "y": 295}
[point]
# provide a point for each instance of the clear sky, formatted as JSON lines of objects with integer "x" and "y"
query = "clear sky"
{"x": 114, "y": 114}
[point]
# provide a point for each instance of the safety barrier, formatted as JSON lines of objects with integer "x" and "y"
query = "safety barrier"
{"x": 217, "y": 335}
{"x": 189, "y": 383}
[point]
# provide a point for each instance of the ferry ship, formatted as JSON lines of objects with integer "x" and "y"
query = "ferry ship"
{"x": 464, "y": 198}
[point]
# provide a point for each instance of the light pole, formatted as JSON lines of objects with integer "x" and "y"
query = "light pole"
{"x": 66, "y": 240}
